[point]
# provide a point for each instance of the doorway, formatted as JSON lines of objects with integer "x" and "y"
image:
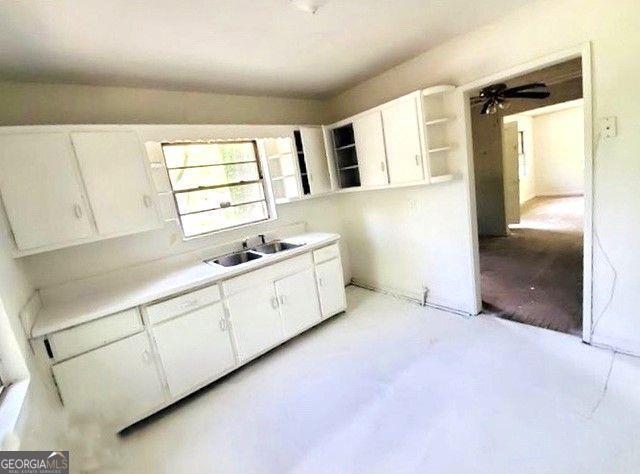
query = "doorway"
{"x": 529, "y": 161}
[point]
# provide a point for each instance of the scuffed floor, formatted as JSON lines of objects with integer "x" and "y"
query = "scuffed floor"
{"x": 534, "y": 275}
{"x": 390, "y": 386}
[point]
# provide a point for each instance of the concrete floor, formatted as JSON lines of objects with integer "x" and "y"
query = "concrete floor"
{"x": 534, "y": 275}
{"x": 394, "y": 387}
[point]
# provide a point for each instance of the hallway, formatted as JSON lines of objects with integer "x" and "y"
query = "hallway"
{"x": 534, "y": 275}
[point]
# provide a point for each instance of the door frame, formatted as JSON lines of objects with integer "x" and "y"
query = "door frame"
{"x": 582, "y": 51}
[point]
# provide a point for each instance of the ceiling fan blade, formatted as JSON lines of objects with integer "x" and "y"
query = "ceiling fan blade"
{"x": 528, "y": 95}
{"x": 477, "y": 100}
{"x": 485, "y": 107}
{"x": 524, "y": 87}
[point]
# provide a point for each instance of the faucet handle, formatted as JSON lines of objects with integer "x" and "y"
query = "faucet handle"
{"x": 245, "y": 244}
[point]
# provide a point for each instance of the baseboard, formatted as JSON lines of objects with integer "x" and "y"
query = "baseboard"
{"x": 614, "y": 345}
{"x": 412, "y": 298}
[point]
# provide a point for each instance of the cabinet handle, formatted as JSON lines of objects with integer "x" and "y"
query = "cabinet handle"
{"x": 320, "y": 282}
{"x": 282, "y": 300}
{"x": 274, "y": 302}
{"x": 77, "y": 211}
{"x": 146, "y": 357}
{"x": 146, "y": 199}
{"x": 223, "y": 324}
{"x": 417, "y": 160}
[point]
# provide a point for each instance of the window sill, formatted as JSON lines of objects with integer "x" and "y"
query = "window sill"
{"x": 222, "y": 231}
{"x": 11, "y": 401}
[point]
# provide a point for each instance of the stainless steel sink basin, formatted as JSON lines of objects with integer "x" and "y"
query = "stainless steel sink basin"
{"x": 234, "y": 259}
{"x": 275, "y": 247}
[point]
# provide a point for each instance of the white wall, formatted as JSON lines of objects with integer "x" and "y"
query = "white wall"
{"x": 559, "y": 152}
{"x": 533, "y": 31}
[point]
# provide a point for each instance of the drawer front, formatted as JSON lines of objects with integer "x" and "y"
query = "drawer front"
{"x": 269, "y": 273}
{"x": 326, "y": 253}
{"x": 85, "y": 337}
{"x": 183, "y": 303}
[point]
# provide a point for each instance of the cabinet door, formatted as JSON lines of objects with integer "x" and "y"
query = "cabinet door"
{"x": 315, "y": 155}
{"x": 116, "y": 384}
{"x": 331, "y": 287}
{"x": 298, "y": 300}
{"x": 401, "y": 122}
{"x": 255, "y": 320}
{"x": 115, "y": 175}
{"x": 41, "y": 190}
{"x": 370, "y": 148}
{"x": 194, "y": 348}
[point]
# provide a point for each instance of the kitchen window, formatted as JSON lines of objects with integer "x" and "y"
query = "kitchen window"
{"x": 216, "y": 186}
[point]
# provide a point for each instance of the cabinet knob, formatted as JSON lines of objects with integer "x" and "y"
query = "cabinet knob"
{"x": 77, "y": 211}
{"x": 146, "y": 357}
{"x": 320, "y": 282}
{"x": 274, "y": 302}
{"x": 282, "y": 300}
{"x": 417, "y": 160}
{"x": 146, "y": 199}
{"x": 223, "y": 324}
{"x": 382, "y": 166}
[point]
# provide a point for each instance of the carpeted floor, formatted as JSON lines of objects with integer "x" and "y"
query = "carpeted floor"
{"x": 534, "y": 275}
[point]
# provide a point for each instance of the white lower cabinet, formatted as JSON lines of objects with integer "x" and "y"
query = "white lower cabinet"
{"x": 255, "y": 320}
{"x": 117, "y": 383}
{"x": 331, "y": 287}
{"x": 194, "y": 348}
{"x": 298, "y": 301}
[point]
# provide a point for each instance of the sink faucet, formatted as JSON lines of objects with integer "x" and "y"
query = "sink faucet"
{"x": 245, "y": 244}
{"x": 262, "y": 238}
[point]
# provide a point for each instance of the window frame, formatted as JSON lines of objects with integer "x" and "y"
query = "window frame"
{"x": 263, "y": 179}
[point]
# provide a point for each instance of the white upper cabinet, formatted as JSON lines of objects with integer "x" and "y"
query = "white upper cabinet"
{"x": 372, "y": 158}
{"x": 118, "y": 185}
{"x": 41, "y": 190}
{"x": 315, "y": 156}
{"x": 402, "y": 121}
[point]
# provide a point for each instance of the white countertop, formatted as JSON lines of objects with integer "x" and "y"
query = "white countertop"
{"x": 91, "y": 298}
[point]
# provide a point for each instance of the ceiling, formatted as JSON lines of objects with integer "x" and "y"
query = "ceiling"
{"x": 258, "y": 47}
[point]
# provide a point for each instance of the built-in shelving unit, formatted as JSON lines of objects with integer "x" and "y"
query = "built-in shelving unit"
{"x": 302, "y": 165}
{"x": 346, "y": 157}
{"x": 282, "y": 167}
{"x": 438, "y": 116}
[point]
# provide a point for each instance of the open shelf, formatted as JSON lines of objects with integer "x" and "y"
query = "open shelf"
{"x": 302, "y": 164}
{"x": 346, "y": 147}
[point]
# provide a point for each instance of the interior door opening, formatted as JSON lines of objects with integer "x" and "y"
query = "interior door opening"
{"x": 529, "y": 180}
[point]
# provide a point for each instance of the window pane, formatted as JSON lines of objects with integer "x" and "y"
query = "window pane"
{"x": 198, "y": 154}
{"x": 283, "y": 165}
{"x": 286, "y": 188}
{"x": 202, "y": 222}
{"x": 194, "y": 201}
{"x": 193, "y": 178}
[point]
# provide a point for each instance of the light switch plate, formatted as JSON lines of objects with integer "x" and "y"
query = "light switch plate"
{"x": 608, "y": 127}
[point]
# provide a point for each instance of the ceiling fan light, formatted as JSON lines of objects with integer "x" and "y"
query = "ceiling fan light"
{"x": 504, "y": 104}
{"x": 493, "y": 109}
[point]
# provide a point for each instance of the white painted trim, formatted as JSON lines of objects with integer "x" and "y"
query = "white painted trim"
{"x": 548, "y": 109}
{"x": 582, "y": 51}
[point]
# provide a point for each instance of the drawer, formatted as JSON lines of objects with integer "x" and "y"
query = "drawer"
{"x": 181, "y": 304}
{"x": 85, "y": 337}
{"x": 326, "y": 253}
{"x": 268, "y": 273}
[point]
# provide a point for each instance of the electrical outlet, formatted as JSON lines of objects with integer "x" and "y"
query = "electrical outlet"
{"x": 608, "y": 127}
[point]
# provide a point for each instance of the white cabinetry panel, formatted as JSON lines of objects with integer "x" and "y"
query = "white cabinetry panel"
{"x": 194, "y": 348}
{"x": 331, "y": 287}
{"x": 298, "y": 300}
{"x": 370, "y": 148}
{"x": 115, "y": 175}
{"x": 117, "y": 383}
{"x": 402, "y": 139}
{"x": 315, "y": 155}
{"x": 41, "y": 190}
{"x": 255, "y": 319}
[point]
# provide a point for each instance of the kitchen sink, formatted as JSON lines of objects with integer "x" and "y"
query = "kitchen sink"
{"x": 275, "y": 247}
{"x": 234, "y": 259}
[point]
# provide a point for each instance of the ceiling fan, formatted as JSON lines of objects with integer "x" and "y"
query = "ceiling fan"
{"x": 496, "y": 96}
